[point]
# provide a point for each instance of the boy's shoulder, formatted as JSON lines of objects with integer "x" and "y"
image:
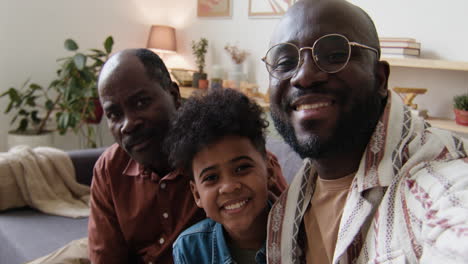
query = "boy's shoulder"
{"x": 204, "y": 226}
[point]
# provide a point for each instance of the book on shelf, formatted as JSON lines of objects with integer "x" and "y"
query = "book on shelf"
{"x": 386, "y": 39}
{"x": 401, "y": 56}
{"x": 400, "y": 44}
{"x": 401, "y": 51}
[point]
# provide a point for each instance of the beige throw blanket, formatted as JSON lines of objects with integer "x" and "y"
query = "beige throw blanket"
{"x": 42, "y": 178}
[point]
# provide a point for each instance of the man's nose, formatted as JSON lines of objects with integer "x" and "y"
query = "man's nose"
{"x": 130, "y": 123}
{"x": 308, "y": 74}
{"x": 229, "y": 186}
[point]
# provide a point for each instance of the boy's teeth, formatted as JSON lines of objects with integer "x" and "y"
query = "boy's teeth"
{"x": 311, "y": 106}
{"x": 235, "y": 205}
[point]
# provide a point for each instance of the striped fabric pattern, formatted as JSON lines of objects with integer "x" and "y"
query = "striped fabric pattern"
{"x": 408, "y": 202}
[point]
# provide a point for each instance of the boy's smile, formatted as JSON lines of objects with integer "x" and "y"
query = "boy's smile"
{"x": 231, "y": 180}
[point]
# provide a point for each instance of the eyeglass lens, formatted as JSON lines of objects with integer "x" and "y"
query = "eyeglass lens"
{"x": 331, "y": 53}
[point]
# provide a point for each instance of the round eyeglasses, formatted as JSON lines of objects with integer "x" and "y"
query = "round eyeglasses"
{"x": 330, "y": 52}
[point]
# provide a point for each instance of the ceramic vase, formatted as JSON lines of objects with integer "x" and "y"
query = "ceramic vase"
{"x": 237, "y": 75}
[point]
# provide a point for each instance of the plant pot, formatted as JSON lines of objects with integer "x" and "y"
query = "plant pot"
{"x": 461, "y": 117}
{"x": 31, "y": 140}
{"x": 203, "y": 84}
{"x": 98, "y": 112}
{"x": 196, "y": 77}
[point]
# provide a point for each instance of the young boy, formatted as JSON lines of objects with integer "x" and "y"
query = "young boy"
{"x": 219, "y": 140}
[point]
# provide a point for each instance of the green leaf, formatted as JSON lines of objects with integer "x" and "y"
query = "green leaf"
{"x": 31, "y": 101}
{"x": 71, "y": 45}
{"x": 63, "y": 122}
{"x": 35, "y": 86}
{"x": 34, "y": 117}
{"x": 49, "y": 104}
{"x": 9, "y": 107}
{"x": 88, "y": 76}
{"x": 23, "y": 124}
{"x": 108, "y": 43}
{"x": 80, "y": 61}
{"x": 98, "y": 63}
{"x": 23, "y": 112}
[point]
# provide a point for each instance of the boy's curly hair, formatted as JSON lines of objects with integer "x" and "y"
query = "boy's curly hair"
{"x": 204, "y": 119}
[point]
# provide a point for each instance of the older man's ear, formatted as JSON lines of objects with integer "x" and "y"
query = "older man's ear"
{"x": 383, "y": 72}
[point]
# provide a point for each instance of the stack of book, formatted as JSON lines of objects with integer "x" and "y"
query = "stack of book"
{"x": 400, "y": 47}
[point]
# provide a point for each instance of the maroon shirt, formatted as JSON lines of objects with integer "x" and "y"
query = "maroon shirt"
{"x": 137, "y": 215}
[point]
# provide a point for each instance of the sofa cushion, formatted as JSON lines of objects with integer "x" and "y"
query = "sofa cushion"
{"x": 83, "y": 161}
{"x": 26, "y": 234}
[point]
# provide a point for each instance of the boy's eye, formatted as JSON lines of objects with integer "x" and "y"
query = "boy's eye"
{"x": 210, "y": 178}
{"x": 243, "y": 168}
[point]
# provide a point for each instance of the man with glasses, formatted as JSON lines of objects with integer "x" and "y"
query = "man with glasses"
{"x": 378, "y": 184}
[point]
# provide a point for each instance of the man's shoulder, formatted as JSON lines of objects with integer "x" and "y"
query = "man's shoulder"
{"x": 114, "y": 154}
{"x": 114, "y": 158}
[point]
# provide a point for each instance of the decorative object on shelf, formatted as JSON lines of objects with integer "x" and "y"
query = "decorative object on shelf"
{"x": 216, "y": 80}
{"x": 214, "y": 8}
{"x": 183, "y": 77}
{"x": 162, "y": 39}
{"x": 199, "y": 49}
{"x": 408, "y": 95}
{"x": 400, "y": 47}
{"x": 460, "y": 107}
{"x": 269, "y": 8}
{"x": 238, "y": 56}
{"x": 71, "y": 98}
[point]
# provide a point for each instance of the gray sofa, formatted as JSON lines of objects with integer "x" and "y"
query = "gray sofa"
{"x": 26, "y": 234}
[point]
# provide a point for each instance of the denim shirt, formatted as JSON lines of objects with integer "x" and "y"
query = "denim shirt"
{"x": 204, "y": 243}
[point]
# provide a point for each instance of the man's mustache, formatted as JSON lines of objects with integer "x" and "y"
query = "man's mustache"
{"x": 138, "y": 137}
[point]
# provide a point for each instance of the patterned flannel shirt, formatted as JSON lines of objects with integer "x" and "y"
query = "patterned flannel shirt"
{"x": 408, "y": 202}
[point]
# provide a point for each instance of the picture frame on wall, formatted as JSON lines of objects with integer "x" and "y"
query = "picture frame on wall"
{"x": 269, "y": 8}
{"x": 213, "y": 8}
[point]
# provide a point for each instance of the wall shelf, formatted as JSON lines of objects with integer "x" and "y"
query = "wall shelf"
{"x": 427, "y": 63}
{"x": 448, "y": 124}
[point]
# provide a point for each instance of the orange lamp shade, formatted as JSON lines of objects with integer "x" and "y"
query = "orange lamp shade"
{"x": 162, "y": 39}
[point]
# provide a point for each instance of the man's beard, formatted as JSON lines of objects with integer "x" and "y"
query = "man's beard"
{"x": 353, "y": 130}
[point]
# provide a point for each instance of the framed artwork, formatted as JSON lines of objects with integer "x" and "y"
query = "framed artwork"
{"x": 269, "y": 8}
{"x": 214, "y": 8}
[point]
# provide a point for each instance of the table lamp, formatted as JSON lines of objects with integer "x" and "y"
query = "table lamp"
{"x": 162, "y": 39}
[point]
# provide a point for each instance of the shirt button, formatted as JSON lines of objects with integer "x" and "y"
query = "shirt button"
{"x": 163, "y": 185}
{"x": 161, "y": 240}
{"x": 165, "y": 215}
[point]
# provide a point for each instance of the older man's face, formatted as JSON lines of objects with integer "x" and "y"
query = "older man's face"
{"x": 138, "y": 109}
{"x": 321, "y": 113}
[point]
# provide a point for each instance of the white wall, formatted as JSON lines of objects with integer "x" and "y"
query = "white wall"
{"x": 438, "y": 25}
{"x": 32, "y": 36}
{"x": 32, "y": 33}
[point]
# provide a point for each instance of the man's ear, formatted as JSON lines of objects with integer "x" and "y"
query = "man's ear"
{"x": 175, "y": 93}
{"x": 195, "y": 193}
{"x": 383, "y": 72}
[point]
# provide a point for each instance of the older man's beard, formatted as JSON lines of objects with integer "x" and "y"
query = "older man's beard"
{"x": 353, "y": 130}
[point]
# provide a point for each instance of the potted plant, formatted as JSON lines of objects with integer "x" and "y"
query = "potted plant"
{"x": 460, "y": 105}
{"x": 199, "y": 49}
{"x": 70, "y": 99}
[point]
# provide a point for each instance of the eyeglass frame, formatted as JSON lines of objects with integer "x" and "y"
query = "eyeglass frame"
{"x": 299, "y": 50}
